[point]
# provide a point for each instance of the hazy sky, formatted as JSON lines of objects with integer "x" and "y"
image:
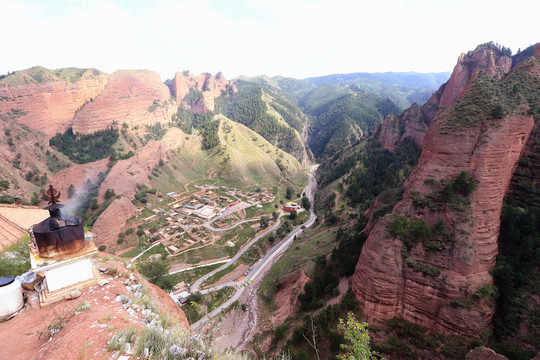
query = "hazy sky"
{"x": 298, "y": 38}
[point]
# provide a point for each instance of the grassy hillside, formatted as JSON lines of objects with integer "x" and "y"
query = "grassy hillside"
{"x": 255, "y": 158}
{"x": 242, "y": 158}
{"x": 27, "y": 161}
{"x": 342, "y": 108}
{"x": 264, "y": 110}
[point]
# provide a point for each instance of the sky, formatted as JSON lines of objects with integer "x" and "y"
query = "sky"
{"x": 296, "y": 38}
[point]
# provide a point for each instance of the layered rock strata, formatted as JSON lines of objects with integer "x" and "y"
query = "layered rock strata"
{"x": 134, "y": 97}
{"x": 49, "y": 106}
{"x": 446, "y": 287}
{"x": 415, "y": 121}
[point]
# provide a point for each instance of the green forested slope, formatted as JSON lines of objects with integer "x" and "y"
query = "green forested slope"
{"x": 340, "y": 117}
{"x": 268, "y": 113}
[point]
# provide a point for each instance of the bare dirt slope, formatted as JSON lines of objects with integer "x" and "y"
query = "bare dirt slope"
{"x": 60, "y": 332}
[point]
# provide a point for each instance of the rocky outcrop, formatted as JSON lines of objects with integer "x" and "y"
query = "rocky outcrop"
{"x": 287, "y": 296}
{"x": 88, "y": 100}
{"x": 112, "y": 220}
{"x": 134, "y": 97}
{"x": 49, "y": 106}
{"x": 444, "y": 288}
{"x": 396, "y": 128}
{"x": 415, "y": 121}
{"x": 82, "y": 328}
{"x": 486, "y": 58}
{"x": 210, "y": 88}
{"x": 182, "y": 83}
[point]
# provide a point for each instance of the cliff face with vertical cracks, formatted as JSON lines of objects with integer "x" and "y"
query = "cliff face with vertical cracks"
{"x": 210, "y": 86}
{"x": 45, "y": 100}
{"x": 135, "y": 97}
{"x": 415, "y": 121}
{"x": 430, "y": 260}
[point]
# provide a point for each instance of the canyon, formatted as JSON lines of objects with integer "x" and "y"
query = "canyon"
{"x": 428, "y": 259}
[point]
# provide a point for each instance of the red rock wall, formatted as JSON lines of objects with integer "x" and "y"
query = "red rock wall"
{"x": 112, "y": 220}
{"x": 387, "y": 287}
{"x": 396, "y": 128}
{"x": 50, "y": 107}
{"x": 215, "y": 85}
{"x": 486, "y": 60}
{"x": 98, "y": 100}
{"x": 182, "y": 84}
{"x": 414, "y": 121}
{"x": 388, "y": 133}
{"x": 128, "y": 98}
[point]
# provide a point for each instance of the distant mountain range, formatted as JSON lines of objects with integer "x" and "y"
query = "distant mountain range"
{"x": 411, "y": 79}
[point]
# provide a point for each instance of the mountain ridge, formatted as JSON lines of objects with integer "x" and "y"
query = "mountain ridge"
{"x": 412, "y": 79}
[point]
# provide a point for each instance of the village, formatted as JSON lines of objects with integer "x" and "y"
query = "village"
{"x": 204, "y": 226}
{"x": 185, "y": 216}
{"x": 186, "y": 220}
{"x": 186, "y": 224}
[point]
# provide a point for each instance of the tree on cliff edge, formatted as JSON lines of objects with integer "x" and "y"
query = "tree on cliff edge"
{"x": 357, "y": 336}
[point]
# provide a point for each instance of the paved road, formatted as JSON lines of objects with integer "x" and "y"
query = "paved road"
{"x": 196, "y": 285}
{"x": 268, "y": 260}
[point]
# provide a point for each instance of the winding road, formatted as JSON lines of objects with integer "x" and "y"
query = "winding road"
{"x": 268, "y": 260}
{"x": 196, "y": 285}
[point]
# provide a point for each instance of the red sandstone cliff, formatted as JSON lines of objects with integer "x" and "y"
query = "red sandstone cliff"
{"x": 386, "y": 282}
{"x": 396, "y": 128}
{"x": 135, "y": 97}
{"x": 50, "y": 104}
{"x": 486, "y": 59}
{"x": 211, "y": 87}
{"x": 415, "y": 121}
{"x": 88, "y": 100}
